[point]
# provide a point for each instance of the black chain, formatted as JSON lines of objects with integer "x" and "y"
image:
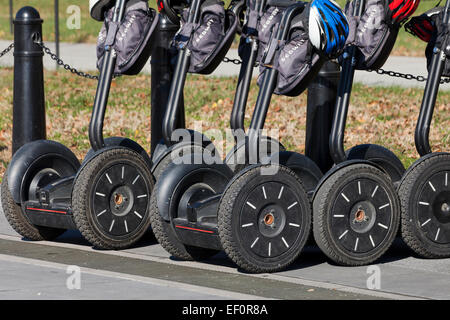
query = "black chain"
{"x": 60, "y": 62}
{"x": 406, "y": 76}
{"x": 236, "y": 61}
{"x": 394, "y": 74}
{"x": 8, "y": 49}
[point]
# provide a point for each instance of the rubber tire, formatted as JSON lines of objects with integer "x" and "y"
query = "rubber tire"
{"x": 164, "y": 232}
{"x": 408, "y": 187}
{"x": 320, "y": 227}
{"x": 81, "y": 194}
{"x": 231, "y": 243}
{"x": 380, "y": 156}
{"x": 19, "y": 222}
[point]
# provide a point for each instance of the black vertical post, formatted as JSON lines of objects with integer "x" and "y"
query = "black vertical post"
{"x": 11, "y": 24}
{"x": 162, "y": 74}
{"x": 57, "y": 29}
{"x": 319, "y": 115}
{"x": 28, "y": 97}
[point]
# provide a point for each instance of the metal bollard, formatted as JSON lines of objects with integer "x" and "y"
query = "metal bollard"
{"x": 28, "y": 97}
{"x": 322, "y": 94}
{"x": 162, "y": 74}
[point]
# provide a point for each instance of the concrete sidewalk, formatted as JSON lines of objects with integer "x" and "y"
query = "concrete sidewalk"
{"x": 402, "y": 275}
{"x": 83, "y": 57}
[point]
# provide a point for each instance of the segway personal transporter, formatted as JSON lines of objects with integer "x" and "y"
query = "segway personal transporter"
{"x": 250, "y": 49}
{"x": 425, "y": 188}
{"x": 261, "y": 221}
{"x": 207, "y": 56}
{"x": 45, "y": 190}
{"x": 356, "y": 208}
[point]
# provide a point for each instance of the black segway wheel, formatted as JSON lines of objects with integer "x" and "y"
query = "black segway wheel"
{"x": 34, "y": 165}
{"x": 356, "y": 215}
{"x": 264, "y": 221}
{"x": 19, "y": 222}
{"x": 192, "y": 180}
{"x": 111, "y": 197}
{"x": 425, "y": 203}
{"x": 168, "y": 239}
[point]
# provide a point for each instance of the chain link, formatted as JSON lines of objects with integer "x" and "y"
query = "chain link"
{"x": 8, "y": 49}
{"x": 394, "y": 74}
{"x": 236, "y": 61}
{"x": 60, "y": 62}
{"x": 406, "y": 76}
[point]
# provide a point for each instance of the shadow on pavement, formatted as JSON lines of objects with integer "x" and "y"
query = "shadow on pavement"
{"x": 311, "y": 255}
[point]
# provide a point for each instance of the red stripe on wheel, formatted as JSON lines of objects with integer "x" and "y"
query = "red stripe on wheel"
{"x": 45, "y": 210}
{"x": 194, "y": 229}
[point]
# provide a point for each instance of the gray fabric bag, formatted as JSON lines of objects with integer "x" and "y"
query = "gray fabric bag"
{"x": 210, "y": 39}
{"x": 295, "y": 59}
{"x": 372, "y": 34}
{"x": 131, "y": 39}
{"x": 263, "y": 25}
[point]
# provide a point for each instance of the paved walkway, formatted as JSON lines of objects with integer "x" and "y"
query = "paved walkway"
{"x": 312, "y": 276}
{"x": 83, "y": 57}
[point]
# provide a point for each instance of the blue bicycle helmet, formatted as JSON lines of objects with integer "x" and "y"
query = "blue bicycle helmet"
{"x": 328, "y": 26}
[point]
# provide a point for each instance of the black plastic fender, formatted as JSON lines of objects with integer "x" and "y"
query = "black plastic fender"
{"x": 120, "y": 142}
{"x": 22, "y": 165}
{"x": 196, "y": 139}
{"x": 238, "y": 153}
{"x": 304, "y": 167}
{"x": 379, "y": 155}
{"x": 343, "y": 165}
{"x": 171, "y": 178}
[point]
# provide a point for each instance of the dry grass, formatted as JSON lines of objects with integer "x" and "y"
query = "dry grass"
{"x": 385, "y": 116}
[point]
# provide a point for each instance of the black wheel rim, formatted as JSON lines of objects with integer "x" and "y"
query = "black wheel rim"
{"x": 270, "y": 220}
{"x": 120, "y": 199}
{"x": 433, "y": 207}
{"x": 360, "y": 216}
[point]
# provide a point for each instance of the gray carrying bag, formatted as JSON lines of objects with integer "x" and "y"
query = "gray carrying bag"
{"x": 262, "y": 25}
{"x": 208, "y": 40}
{"x": 295, "y": 59}
{"x": 372, "y": 34}
{"x": 131, "y": 39}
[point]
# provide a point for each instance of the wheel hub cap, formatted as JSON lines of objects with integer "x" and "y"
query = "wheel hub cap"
{"x": 121, "y": 201}
{"x": 362, "y": 216}
{"x": 272, "y": 220}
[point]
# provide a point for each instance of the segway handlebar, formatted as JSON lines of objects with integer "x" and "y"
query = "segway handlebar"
{"x": 250, "y": 53}
{"x": 103, "y": 87}
{"x": 176, "y": 89}
{"x": 336, "y": 142}
{"x": 270, "y": 76}
{"x": 421, "y": 136}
